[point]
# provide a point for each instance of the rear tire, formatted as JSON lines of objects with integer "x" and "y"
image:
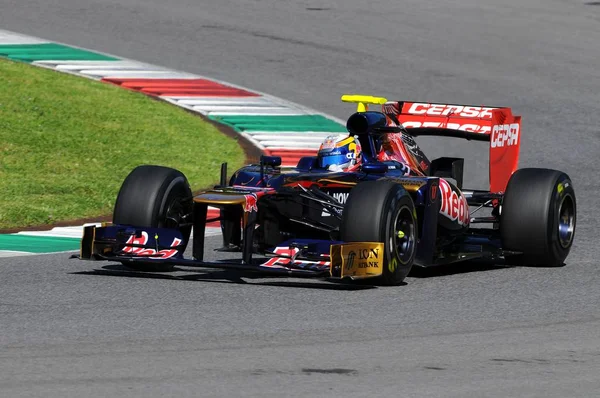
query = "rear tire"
{"x": 538, "y": 217}
{"x": 154, "y": 197}
{"x": 375, "y": 212}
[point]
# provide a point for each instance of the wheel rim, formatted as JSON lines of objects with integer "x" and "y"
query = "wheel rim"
{"x": 566, "y": 221}
{"x": 403, "y": 235}
{"x": 175, "y": 213}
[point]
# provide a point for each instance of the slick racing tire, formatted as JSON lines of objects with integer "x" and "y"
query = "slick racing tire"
{"x": 538, "y": 217}
{"x": 154, "y": 196}
{"x": 382, "y": 211}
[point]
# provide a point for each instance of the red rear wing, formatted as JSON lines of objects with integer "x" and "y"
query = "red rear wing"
{"x": 499, "y": 125}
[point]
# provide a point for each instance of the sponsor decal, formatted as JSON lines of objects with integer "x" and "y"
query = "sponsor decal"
{"x": 454, "y": 205}
{"x": 288, "y": 252}
{"x": 410, "y": 182}
{"x": 250, "y": 204}
{"x": 472, "y": 127}
{"x": 282, "y": 251}
{"x": 350, "y": 260}
{"x": 393, "y": 265}
{"x": 561, "y": 187}
{"x": 361, "y": 259}
{"x": 504, "y": 135}
{"x": 450, "y": 110}
{"x": 368, "y": 258}
{"x": 391, "y": 108}
{"x": 168, "y": 253}
{"x": 143, "y": 240}
{"x": 341, "y": 197}
{"x": 433, "y": 192}
{"x": 329, "y": 142}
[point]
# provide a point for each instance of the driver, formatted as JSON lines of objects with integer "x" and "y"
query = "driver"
{"x": 340, "y": 153}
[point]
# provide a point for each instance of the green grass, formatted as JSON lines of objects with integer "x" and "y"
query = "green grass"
{"x": 67, "y": 143}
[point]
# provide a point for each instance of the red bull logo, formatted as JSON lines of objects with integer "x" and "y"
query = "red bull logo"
{"x": 141, "y": 240}
{"x": 250, "y": 204}
{"x": 285, "y": 261}
{"x": 454, "y": 205}
{"x": 148, "y": 252}
{"x": 329, "y": 142}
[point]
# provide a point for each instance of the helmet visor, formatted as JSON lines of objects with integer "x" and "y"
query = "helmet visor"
{"x": 327, "y": 160}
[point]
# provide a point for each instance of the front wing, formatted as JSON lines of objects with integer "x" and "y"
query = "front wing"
{"x": 298, "y": 258}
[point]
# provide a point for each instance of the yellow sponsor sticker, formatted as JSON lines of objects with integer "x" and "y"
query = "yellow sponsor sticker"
{"x": 409, "y": 182}
{"x": 359, "y": 260}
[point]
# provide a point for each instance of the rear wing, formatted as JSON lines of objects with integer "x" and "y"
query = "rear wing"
{"x": 498, "y": 126}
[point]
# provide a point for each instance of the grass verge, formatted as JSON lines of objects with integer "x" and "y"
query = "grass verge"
{"x": 67, "y": 143}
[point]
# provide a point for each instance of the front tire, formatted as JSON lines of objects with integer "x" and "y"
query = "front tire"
{"x": 538, "y": 217}
{"x": 382, "y": 211}
{"x": 154, "y": 197}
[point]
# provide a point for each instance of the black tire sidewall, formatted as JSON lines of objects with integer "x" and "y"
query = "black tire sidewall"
{"x": 529, "y": 217}
{"x": 144, "y": 199}
{"x": 369, "y": 216}
{"x": 146, "y": 193}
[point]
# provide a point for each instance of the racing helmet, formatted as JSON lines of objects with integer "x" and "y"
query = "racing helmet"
{"x": 339, "y": 153}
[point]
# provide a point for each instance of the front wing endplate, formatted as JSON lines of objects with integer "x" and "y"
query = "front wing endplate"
{"x": 358, "y": 260}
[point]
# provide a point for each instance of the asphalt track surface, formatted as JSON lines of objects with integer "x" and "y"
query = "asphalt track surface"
{"x": 467, "y": 331}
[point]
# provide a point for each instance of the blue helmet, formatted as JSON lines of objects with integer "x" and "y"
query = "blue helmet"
{"x": 339, "y": 153}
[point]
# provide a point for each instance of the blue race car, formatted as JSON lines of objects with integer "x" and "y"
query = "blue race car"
{"x": 369, "y": 204}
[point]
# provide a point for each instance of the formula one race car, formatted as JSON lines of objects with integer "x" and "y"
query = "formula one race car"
{"x": 390, "y": 209}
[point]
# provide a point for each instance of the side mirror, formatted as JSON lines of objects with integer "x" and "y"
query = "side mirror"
{"x": 374, "y": 168}
{"x": 273, "y": 161}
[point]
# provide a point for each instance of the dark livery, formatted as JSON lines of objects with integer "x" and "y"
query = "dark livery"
{"x": 390, "y": 208}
